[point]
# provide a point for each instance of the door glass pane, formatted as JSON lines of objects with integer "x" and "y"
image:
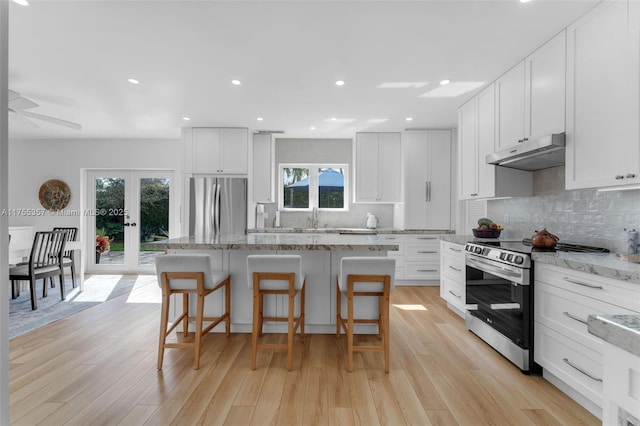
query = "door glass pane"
{"x": 296, "y": 187}
{"x": 109, "y": 220}
{"x": 331, "y": 188}
{"x": 154, "y": 217}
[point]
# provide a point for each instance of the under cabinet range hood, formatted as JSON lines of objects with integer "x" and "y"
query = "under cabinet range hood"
{"x": 534, "y": 154}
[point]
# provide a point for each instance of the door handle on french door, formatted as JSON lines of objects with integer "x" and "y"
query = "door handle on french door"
{"x": 126, "y": 224}
{"x": 133, "y": 224}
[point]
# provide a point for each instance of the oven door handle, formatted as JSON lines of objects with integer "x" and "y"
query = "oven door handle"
{"x": 489, "y": 267}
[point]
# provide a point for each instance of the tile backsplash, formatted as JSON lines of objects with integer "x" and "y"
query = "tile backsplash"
{"x": 578, "y": 216}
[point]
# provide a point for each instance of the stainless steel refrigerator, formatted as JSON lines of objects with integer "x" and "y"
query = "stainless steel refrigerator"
{"x": 218, "y": 206}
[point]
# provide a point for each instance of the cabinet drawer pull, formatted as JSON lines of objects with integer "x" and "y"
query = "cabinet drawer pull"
{"x": 619, "y": 177}
{"x": 455, "y": 269}
{"x": 456, "y": 295}
{"x": 473, "y": 195}
{"x": 572, "y": 365}
{"x": 573, "y": 317}
{"x": 426, "y": 251}
{"x": 427, "y": 270}
{"x": 426, "y": 238}
{"x": 599, "y": 287}
{"x": 630, "y": 176}
{"x": 456, "y": 250}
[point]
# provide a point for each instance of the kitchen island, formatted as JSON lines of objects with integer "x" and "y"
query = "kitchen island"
{"x": 321, "y": 254}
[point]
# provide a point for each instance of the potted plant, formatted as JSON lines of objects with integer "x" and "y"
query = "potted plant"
{"x": 102, "y": 243}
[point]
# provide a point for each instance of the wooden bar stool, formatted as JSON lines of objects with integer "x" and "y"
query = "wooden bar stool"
{"x": 275, "y": 274}
{"x": 190, "y": 274}
{"x": 364, "y": 276}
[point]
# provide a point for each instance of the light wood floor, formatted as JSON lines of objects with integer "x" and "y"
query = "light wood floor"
{"x": 99, "y": 367}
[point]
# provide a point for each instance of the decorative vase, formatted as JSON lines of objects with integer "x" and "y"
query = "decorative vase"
{"x": 97, "y": 258}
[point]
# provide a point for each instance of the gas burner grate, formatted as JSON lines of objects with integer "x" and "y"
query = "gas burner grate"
{"x": 577, "y": 248}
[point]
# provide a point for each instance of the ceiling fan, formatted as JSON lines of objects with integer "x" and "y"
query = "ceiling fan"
{"x": 18, "y": 105}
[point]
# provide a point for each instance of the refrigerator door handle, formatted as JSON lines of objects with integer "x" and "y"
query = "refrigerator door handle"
{"x": 217, "y": 207}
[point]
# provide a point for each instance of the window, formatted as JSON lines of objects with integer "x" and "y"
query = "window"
{"x": 305, "y": 186}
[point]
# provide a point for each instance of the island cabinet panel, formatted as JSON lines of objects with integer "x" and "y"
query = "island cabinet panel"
{"x": 603, "y": 100}
{"x": 241, "y": 295}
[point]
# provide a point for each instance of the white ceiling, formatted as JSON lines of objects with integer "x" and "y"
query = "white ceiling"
{"x": 73, "y": 58}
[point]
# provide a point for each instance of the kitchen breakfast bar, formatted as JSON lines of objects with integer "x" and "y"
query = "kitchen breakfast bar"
{"x": 321, "y": 254}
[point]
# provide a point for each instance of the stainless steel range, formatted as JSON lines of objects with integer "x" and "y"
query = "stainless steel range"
{"x": 499, "y": 296}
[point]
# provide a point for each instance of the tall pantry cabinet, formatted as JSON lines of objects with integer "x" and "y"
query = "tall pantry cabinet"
{"x": 427, "y": 163}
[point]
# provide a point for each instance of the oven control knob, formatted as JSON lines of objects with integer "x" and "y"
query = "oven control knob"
{"x": 478, "y": 250}
{"x": 518, "y": 260}
{"x": 503, "y": 256}
{"x": 509, "y": 258}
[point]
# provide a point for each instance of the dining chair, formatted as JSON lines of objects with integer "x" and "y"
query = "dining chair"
{"x": 45, "y": 261}
{"x": 68, "y": 258}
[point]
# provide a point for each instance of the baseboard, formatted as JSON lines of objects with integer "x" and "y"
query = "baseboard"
{"x": 587, "y": 404}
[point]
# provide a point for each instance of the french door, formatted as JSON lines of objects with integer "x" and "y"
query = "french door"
{"x": 127, "y": 209}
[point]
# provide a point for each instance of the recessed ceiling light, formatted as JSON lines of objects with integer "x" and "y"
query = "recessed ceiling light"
{"x": 312, "y": 128}
{"x": 186, "y": 118}
{"x": 340, "y": 82}
{"x": 334, "y": 119}
{"x": 340, "y": 120}
{"x": 445, "y": 82}
{"x": 409, "y": 118}
{"x": 236, "y": 82}
{"x": 133, "y": 81}
{"x": 525, "y": 1}
{"x": 259, "y": 118}
{"x": 21, "y": 2}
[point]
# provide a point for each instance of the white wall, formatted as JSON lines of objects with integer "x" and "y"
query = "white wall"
{"x": 33, "y": 162}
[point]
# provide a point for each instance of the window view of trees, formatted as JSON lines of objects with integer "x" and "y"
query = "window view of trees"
{"x": 321, "y": 186}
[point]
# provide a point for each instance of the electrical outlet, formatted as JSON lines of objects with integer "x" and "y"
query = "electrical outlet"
{"x": 506, "y": 219}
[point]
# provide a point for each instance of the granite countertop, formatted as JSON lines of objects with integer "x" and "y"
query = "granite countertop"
{"x": 622, "y": 331}
{"x": 604, "y": 264}
{"x": 347, "y": 230}
{"x": 300, "y": 242}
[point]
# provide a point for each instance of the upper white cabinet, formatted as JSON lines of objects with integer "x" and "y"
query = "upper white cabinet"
{"x": 427, "y": 162}
{"x": 218, "y": 150}
{"x": 603, "y": 77}
{"x": 377, "y": 167}
{"x": 476, "y": 135}
{"x": 531, "y": 96}
{"x": 263, "y": 168}
{"x": 509, "y": 116}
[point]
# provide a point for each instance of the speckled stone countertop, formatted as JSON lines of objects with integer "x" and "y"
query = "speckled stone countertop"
{"x": 299, "y": 242}
{"x": 622, "y": 331}
{"x": 346, "y": 231}
{"x": 603, "y": 264}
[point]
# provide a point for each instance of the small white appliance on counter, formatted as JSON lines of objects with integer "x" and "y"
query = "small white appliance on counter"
{"x": 372, "y": 221}
{"x": 260, "y": 216}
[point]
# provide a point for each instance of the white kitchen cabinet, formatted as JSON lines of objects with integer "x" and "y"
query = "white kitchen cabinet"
{"x": 427, "y": 165}
{"x": 263, "y": 168}
{"x": 563, "y": 299}
{"x": 421, "y": 258}
{"x": 530, "y": 97}
{"x": 621, "y": 387}
{"x": 378, "y": 167}
{"x": 220, "y": 150}
{"x": 603, "y": 100}
{"x": 453, "y": 276}
{"x": 545, "y": 76}
{"x": 510, "y": 98}
{"x": 476, "y": 133}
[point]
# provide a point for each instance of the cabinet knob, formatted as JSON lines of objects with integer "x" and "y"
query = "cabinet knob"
{"x": 630, "y": 176}
{"x": 473, "y": 195}
{"x": 619, "y": 177}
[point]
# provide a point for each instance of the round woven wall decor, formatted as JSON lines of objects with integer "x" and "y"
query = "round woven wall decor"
{"x": 54, "y": 195}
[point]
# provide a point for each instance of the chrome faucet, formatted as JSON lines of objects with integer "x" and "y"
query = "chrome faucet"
{"x": 314, "y": 218}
